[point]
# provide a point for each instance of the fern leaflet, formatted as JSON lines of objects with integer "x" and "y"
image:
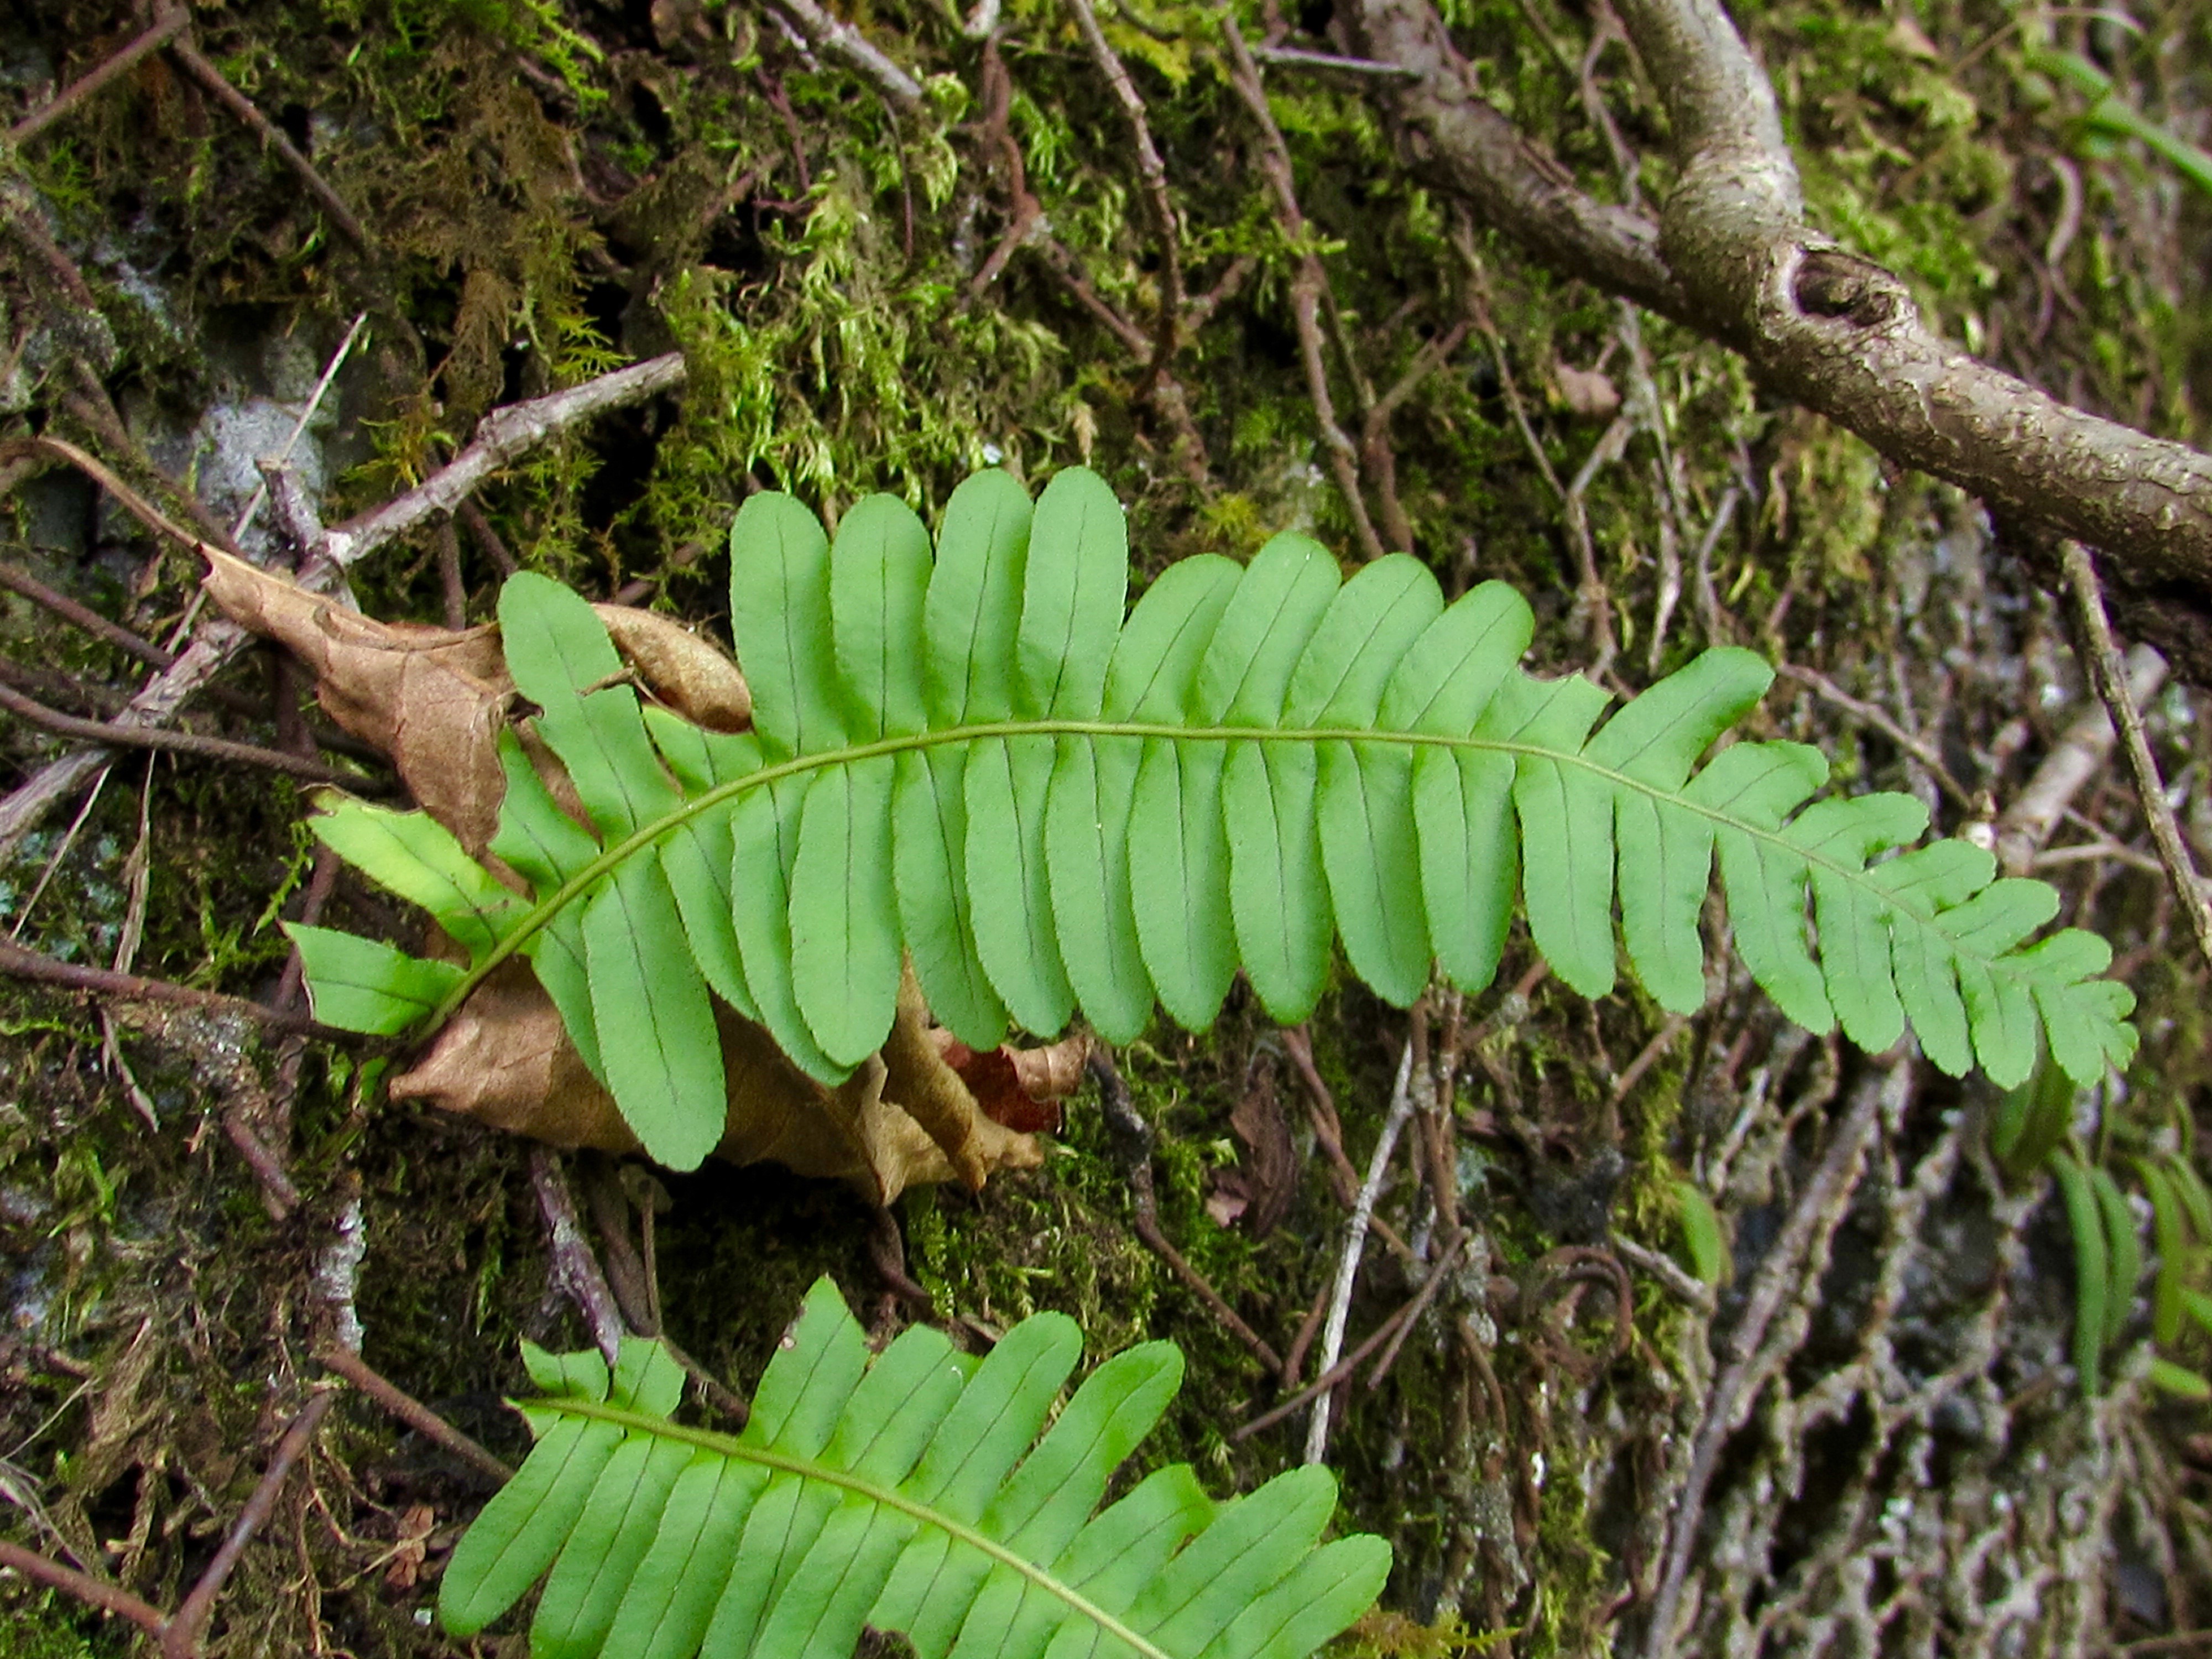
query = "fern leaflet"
{"x": 901, "y": 1492}
{"x": 973, "y": 761}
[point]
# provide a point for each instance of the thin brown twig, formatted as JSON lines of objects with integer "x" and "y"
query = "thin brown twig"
{"x": 2111, "y": 678}
{"x": 1310, "y": 1327}
{"x": 1478, "y": 303}
{"x": 412, "y": 1411}
{"x": 1133, "y": 1139}
{"x": 180, "y": 1640}
{"x": 1634, "y": 1073}
{"x": 1307, "y": 285}
{"x": 278, "y": 1194}
{"x": 1321, "y": 1385}
{"x": 1022, "y": 210}
{"x": 118, "y": 62}
{"x": 456, "y": 593}
{"x": 1152, "y": 175}
{"x": 93, "y": 1592}
{"x": 1375, "y": 450}
{"x": 112, "y": 733}
{"x": 487, "y": 538}
{"x": 1393, "y": 1329}
{"x": 83, "y": 617}
{"x": 1873, "y": 714}
{"x": 272, "y": 137}
{"x": 1593, "y": 599}
{"x": 106, "y": 702}
{"x": 1329, "y": 1132}
{"x": 1414, "y": 1309}
{"x": 75, "y": 976}
{"x": 96, "y": 412}
{"x": 1166, "y": 394}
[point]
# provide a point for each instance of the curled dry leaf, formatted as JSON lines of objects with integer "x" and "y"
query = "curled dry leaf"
{"x": 436, "y": 700}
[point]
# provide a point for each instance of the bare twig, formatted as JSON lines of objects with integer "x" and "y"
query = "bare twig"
{"x": 181, "y": 1639}
{"x": 115, "y": 733}
{"x": 82, "y": 88}
{"x": 1375, "y": 453}
{"x": 1296, "y": 58}
{"x": 83, "y": 617}
{"x": 1133, "y": 1139}
{"x": 336, "y": 361}
{"x": 500, "y": 437}
{"x": 2111, "y": 678}
{"x": 1307, "y": 285}
{"x": 1166, "y": 394}
{"x": 1668, "y": 1271}
{"x": 1592, "y": 598}
{"x": 841, "y": 39}
{"x": 1392, "y": 1330}
{"x": 272, "y": 137}
{"x": 1707, "y": 596}
{"x": 93, "y": 1592}
{"x": 1023, "y": 210}
{"x": 575, "y": 1269}
{"x": 1873, "y": 714}
{"x": 1355, "y": 1243}
{"x": 487, "y": 538}
{"x": 75, "y": 976}
{"x": 2027, "y": 823}
{"x": 1151, "y": 173}
{"x": 412, "y": 1411}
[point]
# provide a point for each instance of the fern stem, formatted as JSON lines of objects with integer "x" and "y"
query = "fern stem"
{"x": 542, "y": 913}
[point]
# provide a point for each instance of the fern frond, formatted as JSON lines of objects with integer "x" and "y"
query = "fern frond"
{"x": 975, "y": 762}
{"x": 904, "y": 1493}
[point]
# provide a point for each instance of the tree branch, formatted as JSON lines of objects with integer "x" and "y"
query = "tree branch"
{"x": 1733, "y": 259}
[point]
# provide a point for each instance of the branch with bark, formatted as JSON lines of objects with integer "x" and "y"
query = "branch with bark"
{"x": 1731, "y": 255}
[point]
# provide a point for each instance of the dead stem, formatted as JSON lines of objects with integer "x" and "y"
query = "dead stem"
{"x": 2102, "y": 657}
{"x": 1307, "y": 285}
{"x": 1152, "y": 176}
{"x": 181, "y": 1639}
{"x": 271, "y": 136}
{"x": 117, "y": 735}
{"x": 77, "y": 91}
{"x": 1133, "y": 1146}
{"x": 412, "y": 1411}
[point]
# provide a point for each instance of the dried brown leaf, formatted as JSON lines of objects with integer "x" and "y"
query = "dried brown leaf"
{"x": 1266, "y": 1176}
{"x": 435, "y": 701}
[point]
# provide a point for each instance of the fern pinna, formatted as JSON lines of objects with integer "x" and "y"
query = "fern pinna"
{"x": 887, "y": 1493}
{"x": 972, "y": 761}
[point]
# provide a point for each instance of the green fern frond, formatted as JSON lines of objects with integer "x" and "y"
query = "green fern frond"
{"x": 974, "y": 760}
{"x": 902, "y": 1494}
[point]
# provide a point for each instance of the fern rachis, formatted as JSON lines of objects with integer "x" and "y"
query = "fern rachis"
{"x": 979, "y": 764}
{"x": 900, "y": 1491}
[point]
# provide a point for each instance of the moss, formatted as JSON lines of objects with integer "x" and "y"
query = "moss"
{"x": 46, "y": 1624}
